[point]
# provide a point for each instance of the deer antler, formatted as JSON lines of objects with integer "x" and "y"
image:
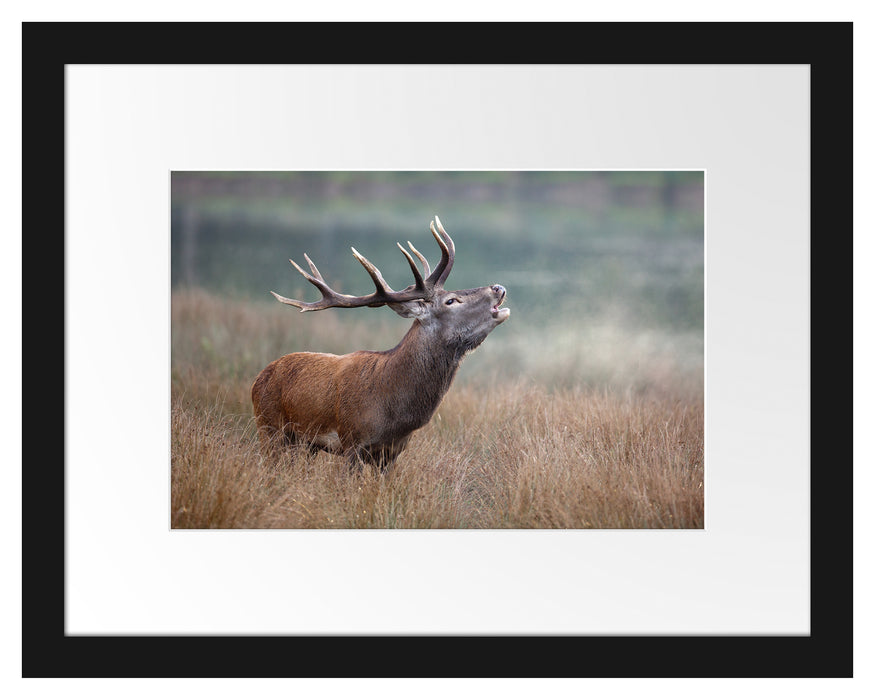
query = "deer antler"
{"x": 448, "y": 255}
{"x": 384, "y": 294}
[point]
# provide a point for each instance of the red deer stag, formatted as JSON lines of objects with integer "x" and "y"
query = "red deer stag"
{"x": 366, "y": 404}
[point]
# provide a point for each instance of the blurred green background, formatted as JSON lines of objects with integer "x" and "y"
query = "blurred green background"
{"x": 604, "y": 270}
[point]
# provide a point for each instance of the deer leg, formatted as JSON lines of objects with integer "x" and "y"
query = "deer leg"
{"x": 386, "y": 465}
{"x": 360, "y": 457}
{"x": 384, "y": 458}
{"x": 381, "y": 457}
{"x": 356, "y": 461}
{"x": 389, "y": 453}
{"x": 270, "y": 440}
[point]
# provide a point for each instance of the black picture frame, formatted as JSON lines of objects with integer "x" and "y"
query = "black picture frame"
{"x": 827, "y": 652}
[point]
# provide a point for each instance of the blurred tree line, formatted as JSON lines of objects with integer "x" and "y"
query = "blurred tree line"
{"x": 628, "y": 243}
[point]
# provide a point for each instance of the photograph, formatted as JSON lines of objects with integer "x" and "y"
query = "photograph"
{"x": 532, "y": 357}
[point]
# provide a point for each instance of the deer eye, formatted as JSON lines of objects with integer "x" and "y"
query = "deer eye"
{"x": 451, "y": 300}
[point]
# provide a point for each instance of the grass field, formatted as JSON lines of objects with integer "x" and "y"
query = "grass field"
{"x": 562, "y": 427}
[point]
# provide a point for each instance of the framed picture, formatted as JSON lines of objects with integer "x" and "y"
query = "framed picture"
{"x": 116, "y": 584}
{"x": 586, "y": 412}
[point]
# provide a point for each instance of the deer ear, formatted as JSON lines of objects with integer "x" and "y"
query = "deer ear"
{"x": 409, "y": 309}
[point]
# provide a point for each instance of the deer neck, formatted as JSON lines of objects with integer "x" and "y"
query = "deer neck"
{"x": 426, "y": 365}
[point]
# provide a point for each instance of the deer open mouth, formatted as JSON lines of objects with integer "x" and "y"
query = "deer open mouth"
{"x": 498, "y": 313}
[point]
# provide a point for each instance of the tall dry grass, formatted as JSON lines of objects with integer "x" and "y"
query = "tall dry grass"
{"x": 498, "y": 454}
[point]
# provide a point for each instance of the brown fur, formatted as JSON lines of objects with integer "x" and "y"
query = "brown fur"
{"x": 366, "y": 404}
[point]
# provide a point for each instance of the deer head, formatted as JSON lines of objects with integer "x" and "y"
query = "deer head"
{"x": 366, "y": 404}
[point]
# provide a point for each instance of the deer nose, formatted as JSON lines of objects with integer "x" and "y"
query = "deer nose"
{"x": 499, "y": 290}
